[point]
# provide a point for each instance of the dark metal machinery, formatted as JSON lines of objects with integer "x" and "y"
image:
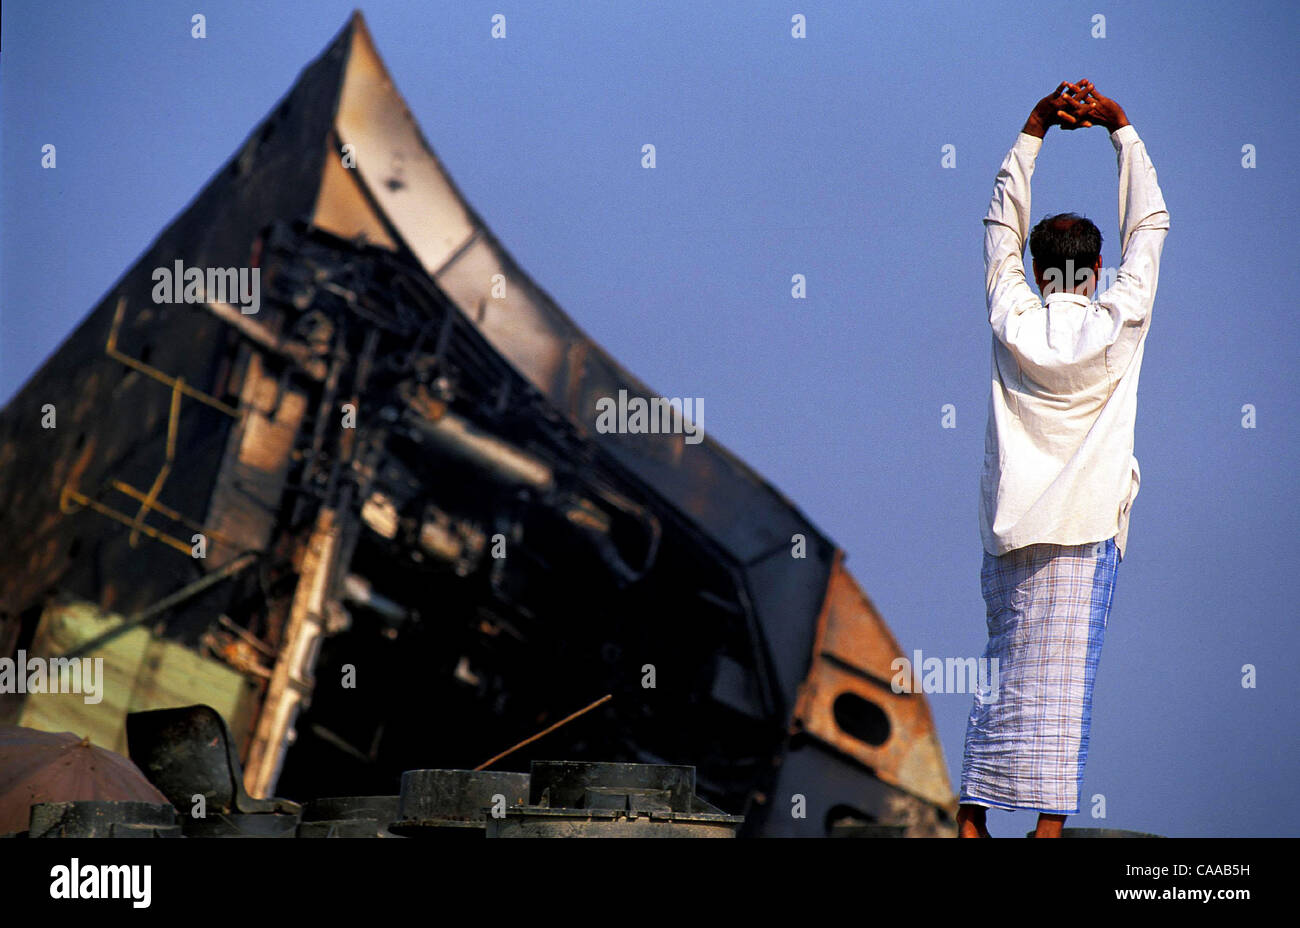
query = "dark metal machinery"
{"x": 418, "y": 548}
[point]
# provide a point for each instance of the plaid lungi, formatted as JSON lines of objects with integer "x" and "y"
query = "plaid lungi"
{"x": 1027, "y": 738}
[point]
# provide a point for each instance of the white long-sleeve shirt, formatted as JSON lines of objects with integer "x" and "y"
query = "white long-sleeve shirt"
{"x": 1058, "y": 452}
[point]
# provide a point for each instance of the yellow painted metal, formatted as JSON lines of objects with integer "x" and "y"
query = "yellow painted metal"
{"x": 139, "y": 672}
{"x": 146, "y": 504}
{"x": 153, "y": 372}
{"x": 149, "y": 500}
{"x": 82, "y": 500}
{"x": 170, "y": 513}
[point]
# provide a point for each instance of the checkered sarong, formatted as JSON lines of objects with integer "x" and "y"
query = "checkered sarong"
{"x": 1026, "y": 742}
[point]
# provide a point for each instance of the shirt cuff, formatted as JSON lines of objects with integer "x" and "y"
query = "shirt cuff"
{"x": 1122, "y": 135}
{"x": 1028, "y": 143}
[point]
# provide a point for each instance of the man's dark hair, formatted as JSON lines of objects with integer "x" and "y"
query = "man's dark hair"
{"x": 1067, "y": 243}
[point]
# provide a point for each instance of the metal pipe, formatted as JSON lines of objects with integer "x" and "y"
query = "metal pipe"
{"x": 184, "y": 593}
{"x": 468, "y": 442}
{"x": 264, "y": 338}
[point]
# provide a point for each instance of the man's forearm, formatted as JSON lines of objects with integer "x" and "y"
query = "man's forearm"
{"x": 1036, "y": 125}
{"x": 1141, "y": 202}
{"x": 1144, "y": 223}
{"x": 1010, "y": 203}
{"x": 1006, "y": 224}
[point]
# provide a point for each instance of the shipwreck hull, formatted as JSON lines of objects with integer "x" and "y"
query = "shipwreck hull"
{"x": 418, "y": 548}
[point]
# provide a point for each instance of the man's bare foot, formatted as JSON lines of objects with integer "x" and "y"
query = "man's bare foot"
{"x": 970, "y": 822}
{"x": 1049, "y": 826}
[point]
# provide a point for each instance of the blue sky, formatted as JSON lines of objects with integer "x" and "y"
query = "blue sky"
{"x": 818, "y": 156}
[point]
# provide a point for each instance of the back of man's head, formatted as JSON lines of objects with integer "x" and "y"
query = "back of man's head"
{"x": 1066, "y": 248}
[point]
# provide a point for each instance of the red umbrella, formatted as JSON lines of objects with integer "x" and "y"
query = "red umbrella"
{"x": 40, "y": 766}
